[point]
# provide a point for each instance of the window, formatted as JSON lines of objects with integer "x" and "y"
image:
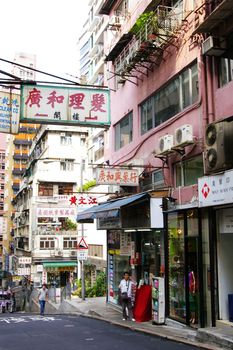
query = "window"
{"x": 67, "y": 165}
{"x": 70, "y": 242}
{"x": 65, "y": 189}
{"x": 178, "y": 94}
{"x": 124, "y": 131}
{"x": 47, "y": 243}
{"x": 45, "y": 189}
{"x": 188, "y": 172}
{"x": 66, "y": 139}
{"x": 95, "y": 250}
{"x": 225, "y": 71}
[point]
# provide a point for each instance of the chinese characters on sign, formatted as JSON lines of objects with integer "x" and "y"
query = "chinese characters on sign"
{"x": 83, "y": 200}
{"x": 9, "y": 113}
{"x": 215, "y": 189}
{"x": 123, "y": 177}
{"x": 25, "y": 260}
{"x": 82, "y": 254}
{"x": 125, "y": 243}
{"x": 24, "y": 271}
{"x": 56, "y": 212}
{"x": 53, "y": 105}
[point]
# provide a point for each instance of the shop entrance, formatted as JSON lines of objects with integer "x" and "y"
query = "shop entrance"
{"x": 152, "y": 255}
{"x": 225, "y": 259}
{"x": 183, "y": 266}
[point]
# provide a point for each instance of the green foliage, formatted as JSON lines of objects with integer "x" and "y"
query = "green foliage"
{"x": 87, "y": 185}
{"x": 98, "y": 289}
{"x": 141, "y": 21}
{"x": 69, "y": 225}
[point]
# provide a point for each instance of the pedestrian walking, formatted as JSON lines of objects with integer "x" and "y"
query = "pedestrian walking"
{"x": 126, "y": 286}
{"x": 43, "y": 297}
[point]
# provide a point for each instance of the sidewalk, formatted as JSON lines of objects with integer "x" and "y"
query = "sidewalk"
{"x": 207, "y": 338}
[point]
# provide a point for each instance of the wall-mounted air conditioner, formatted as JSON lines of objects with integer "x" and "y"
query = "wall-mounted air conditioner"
{"x": 115, "y": 20}
{"x": 73, "y": 253}
{"x": 218, "y": 146}
{"x": 183, "y": 134}
{"x": 213, "y": 46}
{"x": 58, "y": 252}
{"x": 165, "y": 143}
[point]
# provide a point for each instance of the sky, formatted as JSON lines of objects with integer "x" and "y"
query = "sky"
{"x": 48, "y": 28}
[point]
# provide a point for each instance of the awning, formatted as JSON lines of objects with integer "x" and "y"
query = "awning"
{"x": 60, "y": 264}
{"x": 109, "y": 209}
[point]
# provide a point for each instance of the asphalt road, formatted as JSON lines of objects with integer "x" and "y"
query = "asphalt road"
{"x": 32, "y": 332}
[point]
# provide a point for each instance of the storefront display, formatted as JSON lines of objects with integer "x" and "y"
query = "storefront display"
{"x": 158, "y": 300}
{"x": 183, "y": 274}
{"x": 141, "y": 253}
{"x": 176, "y": 266}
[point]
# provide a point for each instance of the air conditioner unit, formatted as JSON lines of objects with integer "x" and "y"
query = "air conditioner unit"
{"x": 218, "y": 146}
{"x": 184, "y": 135}
{"x": 165, "y": 143}
{"x": 115, "y": 20}
{"x": 213, "y": 46}
{"x": 73, "y": 253}
{"x": 58, "y": 252}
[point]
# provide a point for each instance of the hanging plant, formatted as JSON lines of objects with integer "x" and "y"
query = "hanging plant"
{"x": 87, "y": 186}
{"x": 143, "y": 19}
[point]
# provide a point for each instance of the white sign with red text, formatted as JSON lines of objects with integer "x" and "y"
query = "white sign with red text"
{"x": 123, "y": 177}
{"x": 56, "y": 212}
{"x": 60, "y": 105}
{"x": 216, "y": 189}
{"x": 25, "y": 260}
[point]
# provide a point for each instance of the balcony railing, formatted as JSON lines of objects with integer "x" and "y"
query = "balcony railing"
{"x": 99, "y": 153}
{"x": 148, "y": 44}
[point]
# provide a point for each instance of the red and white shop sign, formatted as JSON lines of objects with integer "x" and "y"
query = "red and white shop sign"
{"x": 124, "y": 177}
{"x": 215, "y": 189}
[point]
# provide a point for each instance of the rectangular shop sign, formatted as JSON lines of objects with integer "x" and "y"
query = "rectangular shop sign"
{"x": 56, "y": 212}
{"x": 25, "y": 260}
{"x": 123, "y": 177}
{"x": 9, "y": 112}
{"x": 24, "y": 271}
{"x": 65, "y": 105}
{"x": 225, "y": 220}
{"x": 125, "y": 243}
{"x": 215, "y": 189}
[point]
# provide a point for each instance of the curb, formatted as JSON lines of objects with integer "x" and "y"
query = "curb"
{"x": 94, "y": 315}
{"x": 148, "y": 332}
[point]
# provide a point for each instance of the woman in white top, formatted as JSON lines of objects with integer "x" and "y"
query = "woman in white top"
{"x": 125, "y": 287}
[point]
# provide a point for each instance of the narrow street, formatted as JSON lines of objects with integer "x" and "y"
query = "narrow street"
{"x": 24, "y": 331}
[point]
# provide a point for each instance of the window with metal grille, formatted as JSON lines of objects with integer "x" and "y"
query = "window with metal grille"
{"x": 95, "y": 250}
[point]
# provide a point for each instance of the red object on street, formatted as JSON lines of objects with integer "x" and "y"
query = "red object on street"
{"x": 142, "y": 306}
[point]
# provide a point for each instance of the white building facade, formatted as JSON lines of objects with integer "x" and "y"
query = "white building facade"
{"x": 45, "y": 226}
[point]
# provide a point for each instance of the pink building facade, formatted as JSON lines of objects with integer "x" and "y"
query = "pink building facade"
{"x": 171, "y": 80}
{"x": 2, "y": 186}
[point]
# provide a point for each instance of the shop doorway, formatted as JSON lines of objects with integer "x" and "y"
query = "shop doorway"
{"x": 193, "y": 284}
{"x": 225, "y": 260}
{"x": 184, "y": 269}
